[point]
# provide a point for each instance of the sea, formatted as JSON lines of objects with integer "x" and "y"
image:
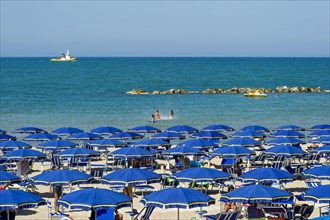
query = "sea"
{"x": 91, "y": 92}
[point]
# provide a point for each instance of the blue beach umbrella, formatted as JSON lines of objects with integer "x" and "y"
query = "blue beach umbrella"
{"x": 284, "y": 141}
{"x": 257, "y": 128}
{"x": 41, "y": 137}
{"x": 145, "y": 129}
{"x": 131, "y": 176}
{"x": 106, "y": 143}
{"x": 3, "y": 131}
{"x": 58, "y": 144}
{"x": 248, "y": 134}
{"x": 6, "y": 137}
{"x": 106, "y": 130}
{"x": 284, "y": 150}
{"x": 197, "y": 143}
{"x": 253, "y": 194}
{"x": 67, "y": 131}
{"x": 266, "y": 175}
{"x": 200, "y": 174}
{"x": 242, "y": 142}
{"x": 322, "y": 150}
{"x": 61, "y": 177}
{"x": 151, "y": 143}
{"x": 168, "y": 135}
{"x": 132, "y": 152}
{"x": 12, "y": 199}
{"x": 182, "y": 129}
{"x": 326, "y": 217}
{"x": 322, "y": 140}
{"x": 182, "y": 150}
{"x": 319, "y": 194}
{"x": 234, "y": 151}
{"x": 13, "y": 144}
{"x": 126, "y": 135}
{"x": 84, "y": 136}
{"x": 320, "y": 127}
{"x": 78, "y": 152}
{"x": 322, "y": 173}
{"x": 95, "y": 199}
{"x": 318, "y": 134}
{"x": 289, "y": 127}
{"x": 287, "y": 134}
{"x": 180, "y": 198}
{"x": 218, "y": 128}
{"x": 30, "y": 130}
{"x": 6, "y": 177}
{"x": 24, "y": 154}
{"x": 213, "y": 135}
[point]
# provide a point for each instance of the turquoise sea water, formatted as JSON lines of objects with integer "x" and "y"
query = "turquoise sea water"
{"x": 91, "y": 92}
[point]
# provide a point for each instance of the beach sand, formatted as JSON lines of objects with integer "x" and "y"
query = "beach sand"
{"x": 41, "y": 212}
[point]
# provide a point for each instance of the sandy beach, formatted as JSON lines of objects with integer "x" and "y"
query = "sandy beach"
{"x": 41, "y": 212}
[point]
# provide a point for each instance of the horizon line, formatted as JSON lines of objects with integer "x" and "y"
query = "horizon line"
{"x": 171, "y": 57}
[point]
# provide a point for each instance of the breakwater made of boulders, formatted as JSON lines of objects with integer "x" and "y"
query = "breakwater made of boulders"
{"x": 234, "y": 90}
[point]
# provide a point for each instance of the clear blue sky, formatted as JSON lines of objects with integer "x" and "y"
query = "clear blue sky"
{"x": 165, "y": 28}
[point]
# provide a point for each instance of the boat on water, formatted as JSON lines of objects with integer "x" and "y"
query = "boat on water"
{"x": 256, "y": 94}
{"x": 64, "y": 58}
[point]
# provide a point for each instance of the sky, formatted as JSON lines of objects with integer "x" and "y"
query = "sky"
{"x": 165, "y": 28}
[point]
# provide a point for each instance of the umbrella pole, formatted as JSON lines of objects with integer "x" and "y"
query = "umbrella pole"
{"x": 106, "y": 159}
{"x": 8, "y": 214}
{"x": 178, "y": 214}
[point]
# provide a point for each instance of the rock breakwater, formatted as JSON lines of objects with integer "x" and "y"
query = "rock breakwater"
{"x": 234, "y": 90}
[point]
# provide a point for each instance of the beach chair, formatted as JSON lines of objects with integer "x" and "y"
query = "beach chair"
{"x": 223, "y": 216}
{"x": 313, "y": 184}
{"x": 313, "y": 159}
{"x": 105, "y": 214}
{"x": 55, "y": 161}
{"x": 144, "y": 188}
{"x": 56, "y": 215}
{"x": 97, "y": 173}
{"x": 147, "y": 213}
{"x": 258, "y": 161}
{"x": 303, "y": 211}
{"x": 275, "y": 212}
{"x": 277, "y": 165}
{"x": 253, "y": 213}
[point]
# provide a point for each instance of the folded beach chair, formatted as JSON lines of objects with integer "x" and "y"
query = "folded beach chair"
{"x": 314, "y": 184}
{"x": 223, "y": 216}
{"x": 147, "y": 213}
{"x": 97, "y": 173}
{"x": 55, "y": 161}
{"x": 277, "y": 165}
{"x": 303, "y": 211}
{"x": 313, "y": 159}
{"x": 56, "y": 215}
{"x": 258, "y": 161}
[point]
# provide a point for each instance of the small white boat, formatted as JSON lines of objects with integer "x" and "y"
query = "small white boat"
{"x": 256, "y": 94}
{"x": 64, "y": 58}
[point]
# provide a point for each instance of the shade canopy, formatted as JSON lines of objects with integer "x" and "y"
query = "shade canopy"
{"x": 256, "y": 194}
{"x": 177, "y": 198}
{"x": 13, "y": 144}
{"x": 232, "y": 151}
{"x": 242, "y": 142}
{"x": 218, "y": 127}
{"x": 319, "y": 194}
{"x": 168, "y": 135}
{"x": 84, "y": 136}
{"x": 41, "y": 137}
{"x": 61, "y": 177}
{"x": 145, "y": 129}
{"x": 198, "y": 143}
{"x": 6, "y": 137}
{"x": 213, "y": 135}
{"x": 323, "y": 150}
{"x": 320, "y": 127}
{"x": 322, "y": 173}
{"x": 200, "y": 174}
{"x": 131, "y": 176}
{"x": 183, "y": 129}
{"x": 30, "y": 130}
{"x": 126, "y": 135}
{"x": 248, "y": 134}
{"x": 106, "y": 130}
{"x": 284, "y": 150}
{"x": 151, "y": 143}
{"x": 95, "y": 199}
{"x": 182, "y": 150}
{"x": 289, "y": 127}
{"x": 287, "y": 134}
{"x": 66, "y": 131}
{"x": 24, "y": 154}
{"x": 266, "y": 175}
{"x": 11, "y": 199}
{"x": 284, "y": 141}
{"x": 6, "y": 177}
{"x": 132, "y": 152}
{"x": 78, "y": 152}
{"x": 58, "y": 144}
